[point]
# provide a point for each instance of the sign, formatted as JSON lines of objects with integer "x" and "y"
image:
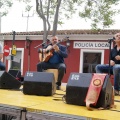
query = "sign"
{"x": 95, "y": 45}
{"x": 6, "y": 50}
{"x": 13, "y": 50}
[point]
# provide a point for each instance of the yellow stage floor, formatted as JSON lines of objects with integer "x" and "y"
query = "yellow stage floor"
{"x": 55, "y": 104}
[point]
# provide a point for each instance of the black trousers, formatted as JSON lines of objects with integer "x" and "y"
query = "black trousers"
{"x": 60, "y": 66}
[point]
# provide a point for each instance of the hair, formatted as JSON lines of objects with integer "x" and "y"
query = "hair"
{"x": 116, "y": 34}
{"x": 54, "y": 36}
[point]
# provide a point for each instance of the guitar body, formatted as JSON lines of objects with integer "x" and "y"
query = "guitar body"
{"x": 46, "y": 56}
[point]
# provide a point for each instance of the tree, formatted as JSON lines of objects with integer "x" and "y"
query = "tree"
{"x": 4, "y": 7}
{"x": 52, "y": 12}
{"x": 52, "y": 8}
{"x": 103, "y": 13}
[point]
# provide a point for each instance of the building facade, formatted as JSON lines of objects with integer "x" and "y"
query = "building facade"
{"x": 87, "y": 49}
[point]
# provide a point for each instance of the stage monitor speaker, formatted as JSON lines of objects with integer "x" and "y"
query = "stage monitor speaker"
{"x": 39, "y": 83}
{"x": 7, "y": 81}
{"x": 15, "y": 73}
{"x": 77, "y": 88}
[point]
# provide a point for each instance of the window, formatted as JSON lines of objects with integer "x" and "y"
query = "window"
{"x": 89, "y": 59}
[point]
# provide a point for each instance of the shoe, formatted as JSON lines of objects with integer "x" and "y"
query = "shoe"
{"x": 116, "y": 92}
{"x": 57, "y": 87}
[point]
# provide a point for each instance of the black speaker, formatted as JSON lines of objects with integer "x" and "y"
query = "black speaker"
{"x": 77, "y": 88}
{"x": 7, "y": 81}
{"x": 39, "y": 83}
{"x": 15, "y": 73}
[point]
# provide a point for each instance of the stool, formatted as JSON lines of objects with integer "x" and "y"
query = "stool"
{"x": 54, "y": 71}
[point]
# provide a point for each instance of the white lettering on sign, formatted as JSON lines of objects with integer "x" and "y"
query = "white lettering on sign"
{"x": 6, "y": 51}
{"x": 75, "y": 77}
{"x": 100, "y": 45}
{"x": 30, "y": 74}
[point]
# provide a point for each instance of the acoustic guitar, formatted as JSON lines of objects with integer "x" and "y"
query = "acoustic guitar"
{"x": 44, "y": 57}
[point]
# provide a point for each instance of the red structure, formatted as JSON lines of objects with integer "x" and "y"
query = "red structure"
{"x": 87, "y": 48}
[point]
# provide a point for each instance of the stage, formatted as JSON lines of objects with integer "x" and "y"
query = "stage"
{"x": 15, "y": 103}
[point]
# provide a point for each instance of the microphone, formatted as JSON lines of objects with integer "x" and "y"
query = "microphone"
{"x": 42, "y": 44}
{"x": 48, "y": 40}
{"x": 111, "y": 39}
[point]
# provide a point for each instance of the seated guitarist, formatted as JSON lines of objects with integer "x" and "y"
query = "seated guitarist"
{"x": 54, "y": 59}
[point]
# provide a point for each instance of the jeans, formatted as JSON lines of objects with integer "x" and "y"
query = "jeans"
{"x": 2, "y": 66}
{"x": 60, "y": 66}
{"x": 115, "y": 70}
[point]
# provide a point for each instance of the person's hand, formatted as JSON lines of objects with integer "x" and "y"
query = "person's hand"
{"x": 117, "y": 57}
{"x": 112, "y": 63}
{"x": 56, "y": 48}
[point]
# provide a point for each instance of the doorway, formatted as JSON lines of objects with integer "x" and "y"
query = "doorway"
{"x": 17, "y": 63}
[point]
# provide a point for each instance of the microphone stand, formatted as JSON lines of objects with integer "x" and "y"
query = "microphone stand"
{"x": 27, "y": 46}
{"x": 42, "y": 44}
{"x": 109, "y": 41}
{"x": 42, "y": 51}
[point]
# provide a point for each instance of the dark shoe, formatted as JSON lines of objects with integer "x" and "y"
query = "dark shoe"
{"x": 57, "y": 87}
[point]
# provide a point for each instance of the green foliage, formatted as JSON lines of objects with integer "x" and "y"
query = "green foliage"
{"x": 25, "y": 1}
{"x": 28, "y": 8}
{"x": 60, "y": 22}
{"x": 4, "y": 6}
{"x": 100, "y": 12}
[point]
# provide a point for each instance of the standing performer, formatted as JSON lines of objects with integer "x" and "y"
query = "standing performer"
{"x": 114, "y": 64}
{"x": 2, "y": 65}
{"x": 53, "y": 58}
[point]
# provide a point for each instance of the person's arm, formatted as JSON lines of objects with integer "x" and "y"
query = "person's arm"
{"x": 112, "y": 63}
{"x": 63, "y": 51}
{"x": 1, "y": 57}
{"x": 1, "y": 53}
{"x": 112, "y": 58}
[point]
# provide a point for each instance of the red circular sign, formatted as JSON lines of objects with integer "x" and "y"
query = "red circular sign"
{"x": 6, "y": 50}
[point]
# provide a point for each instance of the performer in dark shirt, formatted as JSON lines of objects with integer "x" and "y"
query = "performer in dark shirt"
{"x": 114, "y": 64}
{"x": 54, "y": 55}
{"x": 2, "y": 65}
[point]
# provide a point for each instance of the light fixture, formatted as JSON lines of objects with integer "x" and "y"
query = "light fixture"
{"x": 68, "y": 43}
{"x": 27, "y": 38}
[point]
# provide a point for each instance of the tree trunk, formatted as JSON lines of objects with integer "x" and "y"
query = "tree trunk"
{"x": 45, "y": 30}
{"x": 56, "y": 18}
